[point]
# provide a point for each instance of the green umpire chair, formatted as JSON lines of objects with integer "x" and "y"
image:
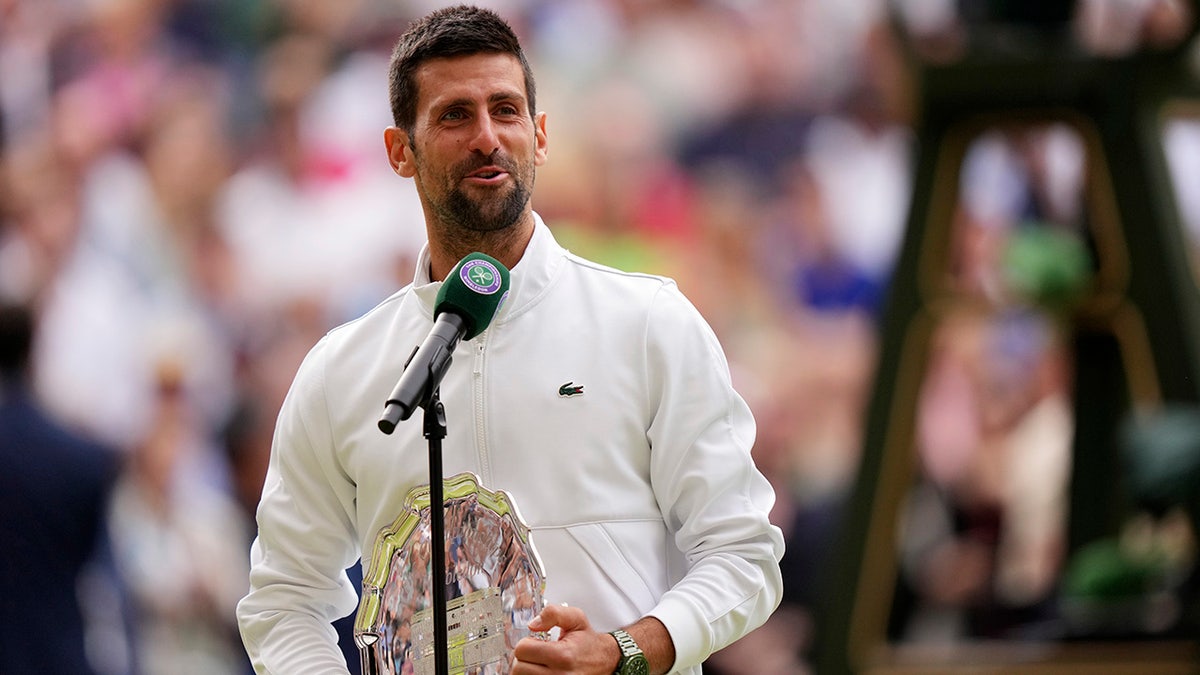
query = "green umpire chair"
{"x": 1133, "y": 338}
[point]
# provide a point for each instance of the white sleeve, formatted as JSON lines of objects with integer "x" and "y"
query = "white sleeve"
{"x": 714, "y": 500}
{"x": 306, "y": 540}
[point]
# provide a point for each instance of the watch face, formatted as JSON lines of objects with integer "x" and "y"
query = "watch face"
{"x": 637, "y": 665}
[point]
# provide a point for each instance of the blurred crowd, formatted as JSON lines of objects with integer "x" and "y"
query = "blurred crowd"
{"x": 193, "y": 191}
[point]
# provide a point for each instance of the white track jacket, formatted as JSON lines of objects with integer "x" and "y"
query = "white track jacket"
{"x": 640, "y": 491}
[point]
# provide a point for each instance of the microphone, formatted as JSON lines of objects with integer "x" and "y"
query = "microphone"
{"x": 466, "y": 303}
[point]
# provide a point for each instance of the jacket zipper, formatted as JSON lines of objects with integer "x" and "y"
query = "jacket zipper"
{"x": 485, "y": 470}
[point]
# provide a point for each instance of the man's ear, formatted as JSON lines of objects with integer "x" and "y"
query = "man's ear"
{"x": 541, "y": 146}
{"x": 399, "y": 153}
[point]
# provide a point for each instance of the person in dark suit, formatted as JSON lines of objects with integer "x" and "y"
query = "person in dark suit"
{"x": 53, "y": 490}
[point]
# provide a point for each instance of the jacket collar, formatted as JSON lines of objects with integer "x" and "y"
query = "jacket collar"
{"x": 529, "y": 279}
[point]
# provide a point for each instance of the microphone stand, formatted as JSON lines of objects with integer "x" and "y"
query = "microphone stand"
{"x": 435, "y": 431}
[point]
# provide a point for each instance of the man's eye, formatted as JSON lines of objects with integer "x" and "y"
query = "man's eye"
{"x": 452, "y": 115}
{"x": 507, "y": 110}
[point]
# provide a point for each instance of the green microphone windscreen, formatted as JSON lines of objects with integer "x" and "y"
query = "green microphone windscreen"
{"x": 474, "y": 290}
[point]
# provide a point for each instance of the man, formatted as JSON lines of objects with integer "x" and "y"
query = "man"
{"x": 54, "y": 486}
{"x": 636, "y": 480}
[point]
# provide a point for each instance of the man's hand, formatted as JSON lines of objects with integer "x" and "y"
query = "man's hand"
{"x": 579, "y": 650}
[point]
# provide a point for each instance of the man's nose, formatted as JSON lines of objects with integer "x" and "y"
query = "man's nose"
{"x": 485, "y": 140}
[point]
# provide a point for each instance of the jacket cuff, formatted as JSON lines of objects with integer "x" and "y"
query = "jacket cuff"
{"x": 690, "y": 633}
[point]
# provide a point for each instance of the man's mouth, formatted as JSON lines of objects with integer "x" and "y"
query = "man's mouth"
{"x": 487, "y": 173}
{"x": 491, "y": 172}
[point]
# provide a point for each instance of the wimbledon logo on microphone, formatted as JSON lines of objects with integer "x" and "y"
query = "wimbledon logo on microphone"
{"x": 480, "y": 276}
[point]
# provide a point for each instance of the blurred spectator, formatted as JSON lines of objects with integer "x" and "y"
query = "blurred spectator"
{"x": 179, "y": 544}
{"x": 985, "y": 533}
{"x": 822, "y": 278}
{"x": 54, "y": 487}
{"x": 311, "y": 216}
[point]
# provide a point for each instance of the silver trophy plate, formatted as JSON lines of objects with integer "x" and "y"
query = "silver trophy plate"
{"x": 494, "y": 580}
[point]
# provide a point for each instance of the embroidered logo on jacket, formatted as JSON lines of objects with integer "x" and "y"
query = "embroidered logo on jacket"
{"x": 570, "y": 389}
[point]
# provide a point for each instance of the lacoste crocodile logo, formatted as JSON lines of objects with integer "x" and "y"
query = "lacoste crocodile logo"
{"x": 570, "y": 389}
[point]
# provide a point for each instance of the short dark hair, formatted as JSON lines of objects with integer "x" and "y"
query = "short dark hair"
{"x": 452, "y": 31}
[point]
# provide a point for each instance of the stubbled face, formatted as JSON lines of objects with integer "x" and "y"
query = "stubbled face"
{"x": 474, "y": 146}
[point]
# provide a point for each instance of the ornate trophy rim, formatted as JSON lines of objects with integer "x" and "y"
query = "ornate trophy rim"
{"x": 368, "y": 628}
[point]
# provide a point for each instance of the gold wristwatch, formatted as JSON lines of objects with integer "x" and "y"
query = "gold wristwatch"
{"x": 633, "y": 661}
